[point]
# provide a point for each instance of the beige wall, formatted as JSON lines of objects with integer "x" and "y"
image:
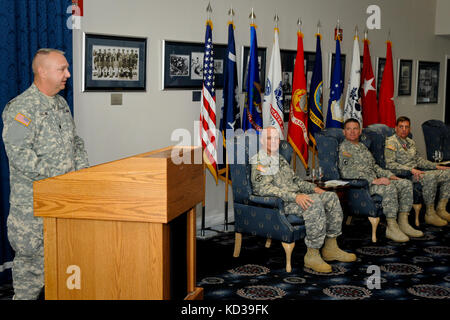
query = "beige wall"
{"x": 147, "y": 119}
{"x": 442, "y": 24}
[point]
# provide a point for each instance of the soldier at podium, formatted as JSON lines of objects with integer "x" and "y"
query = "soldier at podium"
{"x": 41, "y": 142}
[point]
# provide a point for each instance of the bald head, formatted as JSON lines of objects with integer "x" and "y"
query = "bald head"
{"x": 51, "y": 71}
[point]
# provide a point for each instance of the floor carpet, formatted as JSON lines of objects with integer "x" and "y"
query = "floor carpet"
{"x": 386, "y": 270}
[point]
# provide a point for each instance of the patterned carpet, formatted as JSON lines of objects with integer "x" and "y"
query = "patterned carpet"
{"x": 415, "y": 270}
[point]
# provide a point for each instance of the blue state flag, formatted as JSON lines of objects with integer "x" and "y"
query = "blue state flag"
{"x": 315, "y": 97}
{"x": 230, "y": 110}
{"x": 252, "y": 117}
{"x": 335, "y": 114}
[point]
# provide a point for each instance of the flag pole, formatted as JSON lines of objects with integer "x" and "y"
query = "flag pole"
{"x": 227, "y": 168}
{"x": 314, "y": 149}
{"x": 204, "y": 199}
{"x": 208, "y": 10}
{"x": 294, "y": 163}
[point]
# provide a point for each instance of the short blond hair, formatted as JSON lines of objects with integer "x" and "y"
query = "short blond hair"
{"x": 43, "y": 52}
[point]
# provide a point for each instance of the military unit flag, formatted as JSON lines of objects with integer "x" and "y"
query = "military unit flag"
{"x": 335, "y": 116}
{"x": 298, "y": 113}
{"x": 368, "y": 89}
{"x": 386, "y": 105}
{"x": 315, "y": 97}
{"x": 230, "y": 111}
{"x": 208, "y": 106}
{"x": 272, "y": 109}
{"x": 352, "y": 107}
{"x": 252, "y": 117}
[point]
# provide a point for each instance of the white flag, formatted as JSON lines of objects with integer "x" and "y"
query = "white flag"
{"x": 352, "y": 107}
{"x": 272, "y": 109}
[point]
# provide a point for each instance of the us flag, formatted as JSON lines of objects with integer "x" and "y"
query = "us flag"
{"x": 208, "y": 107}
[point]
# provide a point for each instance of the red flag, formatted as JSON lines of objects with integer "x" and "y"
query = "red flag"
{"x": 386, "y": 99}
{"x": 368, "y": 89}
{"x": 298, "y": 115}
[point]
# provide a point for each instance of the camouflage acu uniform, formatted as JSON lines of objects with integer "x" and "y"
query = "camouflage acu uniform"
{"x": 41, "y": 142}
{"x": 356, "y": 162}
{"x": 402, "y": 154}
{"x": 273, "y": 176}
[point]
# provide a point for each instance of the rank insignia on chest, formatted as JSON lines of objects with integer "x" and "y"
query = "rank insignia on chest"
{"x": 404, "y": 146}
{"x": 22, "y": 119}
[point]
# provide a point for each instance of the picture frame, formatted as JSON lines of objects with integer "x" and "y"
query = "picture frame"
{"x": 427, "y": 82}
{"x": 182, "y": 64}
{"x": 287, "y": 69}
{"x": 245, "y": 55}
{"x": 114, "y": 63}
{"x": 332, "y": 60}
{"x": 381, "y": 62}
{"x": 404, "y": 74}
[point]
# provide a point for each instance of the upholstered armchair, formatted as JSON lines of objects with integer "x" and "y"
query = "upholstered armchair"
{"x": 378, "y": 133}
{"x": 260, "y": 216}
{"x": 437, "y": 137}
{"x": 359, "y": 200}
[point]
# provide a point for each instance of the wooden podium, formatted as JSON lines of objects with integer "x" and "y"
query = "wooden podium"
{"x": 125, "y": 229}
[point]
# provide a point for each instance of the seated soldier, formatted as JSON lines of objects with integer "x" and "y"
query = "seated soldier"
{"x": 357, "y": 162}
{"x": 271, "y": 175}
{"x": 401, "y": 153}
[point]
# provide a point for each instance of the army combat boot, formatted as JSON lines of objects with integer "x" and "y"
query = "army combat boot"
{"x": 406, "y": 228}
{"x": 393, "y": 232}
{"x": 432, "y": 218}
{"x": 441, "y": 210}
{"x": 331, "y": 251}
{"x": 314, "y": 261}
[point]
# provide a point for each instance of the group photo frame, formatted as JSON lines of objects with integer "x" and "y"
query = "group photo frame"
{"x": 288, "y": 60}
{"x": 182, "y": 64}
{"x": 331, "y": 62}
{"x": 114, "y": 63}
{"x": 245, "y": 56}
{"x": 427, "y": 82}
{"x": 404, "y": 74}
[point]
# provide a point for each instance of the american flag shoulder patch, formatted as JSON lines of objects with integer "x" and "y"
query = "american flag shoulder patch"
{"x": 22, "y": 119}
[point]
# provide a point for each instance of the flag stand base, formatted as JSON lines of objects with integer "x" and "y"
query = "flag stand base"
{"x": 215, "y": 230}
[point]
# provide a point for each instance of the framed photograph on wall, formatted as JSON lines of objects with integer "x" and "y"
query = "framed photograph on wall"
{"x": 404, "y": 77}
{"x": 332, "y": 60}
{"x": 287, "y": 68}
{"x": 262, "y": 66}
{"x": 380, "y": 68}
{"x": 427, "y": 82}
{"x": 114, "y": 63}
{"x": 182, "y": 64}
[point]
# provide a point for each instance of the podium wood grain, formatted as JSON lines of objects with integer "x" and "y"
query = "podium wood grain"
{"x": 113, "y": 222}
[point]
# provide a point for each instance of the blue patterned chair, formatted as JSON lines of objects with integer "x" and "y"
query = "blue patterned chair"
{"x": 378, "y": 133}
{"x": 261, "y": 216}
{"x": 437, "y": 137}
{"x": 359, "y": 200}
